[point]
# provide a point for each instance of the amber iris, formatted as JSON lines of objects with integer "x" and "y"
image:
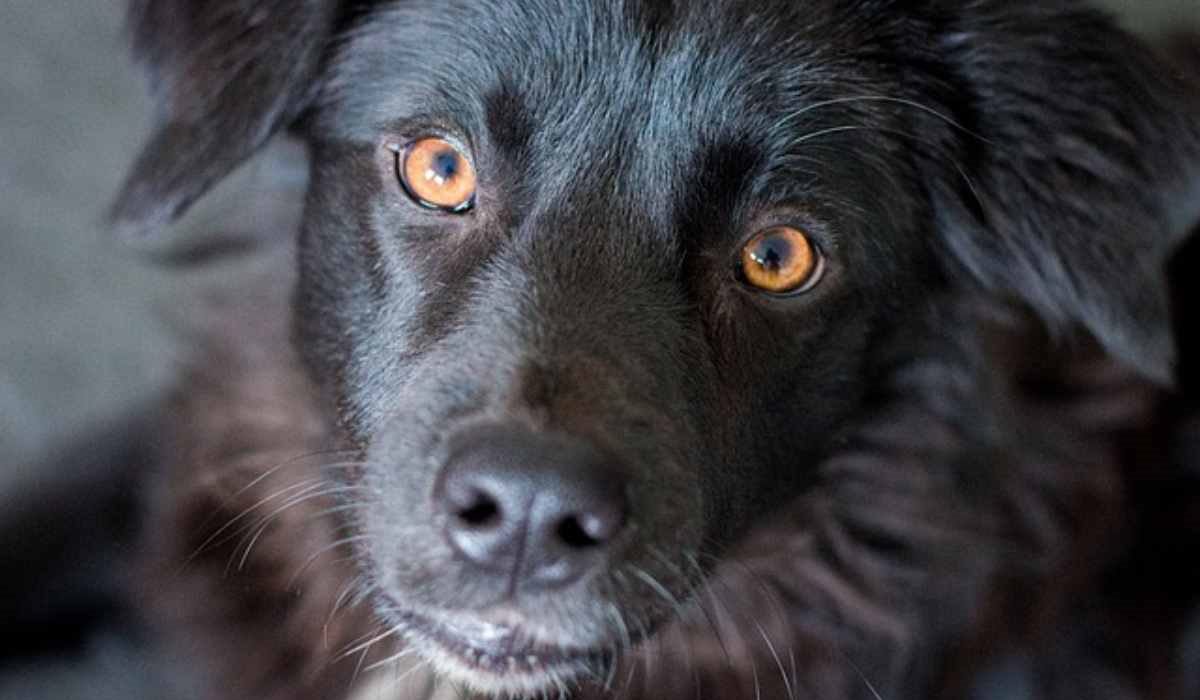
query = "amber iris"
{"x": 781, "y": 260}
{"x": 437, "y": 175}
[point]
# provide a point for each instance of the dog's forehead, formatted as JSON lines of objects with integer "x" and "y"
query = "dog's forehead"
{"x": 575, "y": 79}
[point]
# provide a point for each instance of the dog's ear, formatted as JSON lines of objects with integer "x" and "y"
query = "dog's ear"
{"x": 227, "y": 75}
{"x": 1078, "y": 170}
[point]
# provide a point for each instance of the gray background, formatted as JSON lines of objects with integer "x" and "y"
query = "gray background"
{"x": 84, "y": 323}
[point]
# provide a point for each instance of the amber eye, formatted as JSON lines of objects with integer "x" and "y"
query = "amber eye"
{"x": 781, "y": 260}
{"x": 436, "y": 174}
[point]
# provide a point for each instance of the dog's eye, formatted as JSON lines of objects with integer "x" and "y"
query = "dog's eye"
{"x": 781, "y": 260}
{"x": 436, "y": 175}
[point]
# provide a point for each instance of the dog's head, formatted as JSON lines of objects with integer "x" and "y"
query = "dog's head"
{"x": 593, "y": 285}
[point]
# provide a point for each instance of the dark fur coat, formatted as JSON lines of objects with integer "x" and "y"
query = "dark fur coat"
{"x": 1014, "y": 515}
{"x": 1014, "y": 512}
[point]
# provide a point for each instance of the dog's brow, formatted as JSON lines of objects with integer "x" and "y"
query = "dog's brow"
{"x": 508, "y": 120}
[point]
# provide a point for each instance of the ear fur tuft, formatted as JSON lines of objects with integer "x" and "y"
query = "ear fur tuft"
{"x": 1087, "y": 175}
{"x": 227, "y": 75}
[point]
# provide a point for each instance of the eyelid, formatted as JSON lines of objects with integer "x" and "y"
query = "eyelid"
{"x": 409, "y": 130}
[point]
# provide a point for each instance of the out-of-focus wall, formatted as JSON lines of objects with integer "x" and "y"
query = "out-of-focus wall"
{"x": 76, "y": 334}
{"x": 1155, "y": 16}
{"x": 84, "y": 321}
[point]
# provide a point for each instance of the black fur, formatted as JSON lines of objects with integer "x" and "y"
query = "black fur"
{"x": 936, "y": 152}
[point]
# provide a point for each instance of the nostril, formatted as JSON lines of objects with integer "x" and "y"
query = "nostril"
{"x": 482, "y": 512}
{"x": 545, "y": 509}
{"x": 573, "y": 533}
{"x": 584, "y": 530}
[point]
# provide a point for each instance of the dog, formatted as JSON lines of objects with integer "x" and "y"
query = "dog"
{"x": 660, "y": 349}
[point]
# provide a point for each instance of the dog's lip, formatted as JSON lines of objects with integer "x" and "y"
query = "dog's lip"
{"x": 498, "y": 649}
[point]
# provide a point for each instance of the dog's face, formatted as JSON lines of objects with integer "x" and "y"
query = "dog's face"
{"x": 625, "y": 320}
{"x": 592, "y": 286}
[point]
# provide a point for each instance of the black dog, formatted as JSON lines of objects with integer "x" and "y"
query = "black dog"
{"x": 588, "y": 291}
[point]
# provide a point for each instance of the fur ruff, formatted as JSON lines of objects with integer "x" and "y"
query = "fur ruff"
{"x": 1006, "y": 497}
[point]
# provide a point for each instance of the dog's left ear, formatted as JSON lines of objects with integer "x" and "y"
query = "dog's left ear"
{"x": 1077, "y": 172}
{"x": 227, "y": 75}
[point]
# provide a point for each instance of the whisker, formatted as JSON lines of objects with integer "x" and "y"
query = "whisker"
{"x": 831, "y": 130}
{"x": 358, "y": 666}
{"x": 695, "y": 591}
{"x": 686, "y": 640}
{"x": 419, "y": 666}
{"x": 774, "y": 601}
{"x": 744, "y": 643}
{"x": 886, "y": 98}
{"x": 290, "y": 462}
{"x": 611, "y": 672}
{"x": 769, "y": 593}
{"x": 629, "y": 676}
{"x": 795, "y": 674}
{"x": 622, "y": 628}
{"x": 302, "y": 486}
{"x": 658, "y": 588}
{"x": 787, "y": 683}
{"x": 286, "y": 463}
{"x": 866, "y": 681}
{"x": 315, "y": 489}
{"x": 970, "y": 185}
{"x": 754, "y": 672}
{"x": 313, "y": 492}
{"x": 393, "y": 659}
{"x": 362, "y": 646}
{"x": 334, "y": 510}
{"x": 347, "y": 590}
{"x": 317, "y": 554}
{"x": 210, "y": 540}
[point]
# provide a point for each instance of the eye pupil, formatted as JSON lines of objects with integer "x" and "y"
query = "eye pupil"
{"x": 772, "y": 252}
{"x": 444, "y": 166}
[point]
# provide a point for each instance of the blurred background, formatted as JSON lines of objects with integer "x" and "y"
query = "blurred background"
{"x": 85, "y": 323}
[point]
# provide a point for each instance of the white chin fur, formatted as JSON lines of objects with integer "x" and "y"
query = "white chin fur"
{"x": 506, "y": 678}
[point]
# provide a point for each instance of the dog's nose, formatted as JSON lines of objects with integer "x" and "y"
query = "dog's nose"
{"x": 542, "y": 509}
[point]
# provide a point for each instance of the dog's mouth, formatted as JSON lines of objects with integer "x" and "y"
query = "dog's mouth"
{"x": 500, "y": 658}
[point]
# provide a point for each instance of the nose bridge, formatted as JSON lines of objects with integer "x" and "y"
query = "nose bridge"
{"x": 577, "y": 322}
{"x": 570, "y": 286}
{"x": 603, "y": 259}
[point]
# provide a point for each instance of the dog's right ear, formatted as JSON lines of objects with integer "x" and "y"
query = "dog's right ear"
{"x": 1078, "y": 173}
{"x": 227, "y": 75}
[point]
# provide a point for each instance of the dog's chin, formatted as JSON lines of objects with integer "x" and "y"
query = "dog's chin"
{"x": 497, "y": 659}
